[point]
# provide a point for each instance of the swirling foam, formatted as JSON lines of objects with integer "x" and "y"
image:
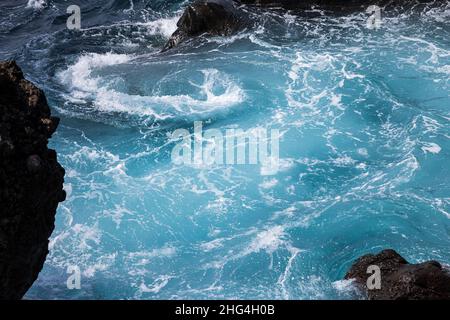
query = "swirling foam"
{"x": 85, "y": 87}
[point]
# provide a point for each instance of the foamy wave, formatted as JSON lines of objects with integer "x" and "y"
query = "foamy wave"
{"x": 37, "y": 4}
{"x": 347, "y": 289}
{"x": 86, "y": 87}
{"x": 145, "y": 256}
{"x": 299, "y": 79}
{"x": 85, "y": 154}
{"x": 87, "y": 235}
{"x": 163, "y": 26}
{"x": 171, "y": 105}
{"x": 438, "y": 14}
{"x": 156, "y": 286}
{"x": 78, "y": 76}
{"x": 431, "y": 147}
{"x": 102, "y": 264}
{"x": 268, "y": 240}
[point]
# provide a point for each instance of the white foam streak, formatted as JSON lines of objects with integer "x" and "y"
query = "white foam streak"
{"x": 86, "y": 87}
{"x": 37, "y": 4}
{"x": 163, "y": 26}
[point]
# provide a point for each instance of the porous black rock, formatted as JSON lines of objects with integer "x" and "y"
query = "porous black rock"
{"x": 401, "y": 280}
{"x": 31, "y": 181}
{"x": 212, "y": 17}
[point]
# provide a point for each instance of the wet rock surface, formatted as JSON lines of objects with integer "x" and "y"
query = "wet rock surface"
{"x": 31, "y": 181}
{"x": 401, "y": 280}
{"x": 213, "y": 17}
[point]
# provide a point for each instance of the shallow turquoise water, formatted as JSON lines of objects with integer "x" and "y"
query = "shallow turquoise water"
{"x": 364, "y": 116}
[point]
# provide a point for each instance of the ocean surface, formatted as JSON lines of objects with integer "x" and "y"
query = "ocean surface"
{"x": 364, "y": 117}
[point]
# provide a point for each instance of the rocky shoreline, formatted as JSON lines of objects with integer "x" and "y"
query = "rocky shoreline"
{"x": 400, "y": 280}
{"x": 31, "y": 181}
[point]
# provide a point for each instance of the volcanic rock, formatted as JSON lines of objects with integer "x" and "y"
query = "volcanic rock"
{"x": 31, "y": 181}
{"x": 401, "y": 280}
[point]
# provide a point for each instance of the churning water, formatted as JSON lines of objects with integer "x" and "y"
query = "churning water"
{"x": 364, "y": 154}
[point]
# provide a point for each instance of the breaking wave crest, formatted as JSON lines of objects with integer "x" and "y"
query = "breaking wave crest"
{"x": 217, "y": 91}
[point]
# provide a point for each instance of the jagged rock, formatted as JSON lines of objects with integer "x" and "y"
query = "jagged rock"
{"x": 401, "y": 280}
{"x": 213, "y": 17}
{"x": 31, "y": 181}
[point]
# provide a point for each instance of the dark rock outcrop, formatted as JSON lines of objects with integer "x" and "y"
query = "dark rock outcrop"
{"x": 401, "y": 280}
{"x": 213, "y": 17}
{"x": 31, "y": 181}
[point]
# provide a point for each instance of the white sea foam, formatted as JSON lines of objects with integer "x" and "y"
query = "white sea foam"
{"x": 84, "y": 86}
{"x": 164, "y": 252}
{"x": 267, "y": 167}
{"x": 113, "y": 101}
{"x": 347, "y": 288}
{"x": 431, "y": 125}
{"x": 343, "y": 285}
{"x": 89, "y": 154}
{"x": 37, "y": 4}
{"x": 117, "y": 214}
{"x": 363, "y": 152}
{"x": 163, "y": 26}
{"x": 150, "y": 268}
{"x": 436, "y": 52}
{"x": 103, "y": 263}
{"x": 211, "y": 245}
{"x": 268, "y": 183}
{"x": 439, "y": 14}
{"x": 299, "y": 76}
{"x": 268, "y": 240}
{"x": 431, "y": 148}
{"x": 284, "y": 277}
{"x": 156, "y": 286}
{"x": 78, "y": 76}
{"x": 87, "y": 235}
{"x": 344, "y": 161}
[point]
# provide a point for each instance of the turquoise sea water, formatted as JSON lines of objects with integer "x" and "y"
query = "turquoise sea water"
{"x": 364, "y": 153}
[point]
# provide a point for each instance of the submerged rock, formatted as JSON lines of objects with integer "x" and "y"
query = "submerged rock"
{"x": 213, "y": 17}
{"x": 31, "y": 181}
{"x": 401, "y": 280}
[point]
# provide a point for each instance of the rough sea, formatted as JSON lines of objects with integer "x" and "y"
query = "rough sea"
{"x": 364, "y": 117}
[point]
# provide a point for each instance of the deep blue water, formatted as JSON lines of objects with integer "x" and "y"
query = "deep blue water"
{"x": 365, "y": 148}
